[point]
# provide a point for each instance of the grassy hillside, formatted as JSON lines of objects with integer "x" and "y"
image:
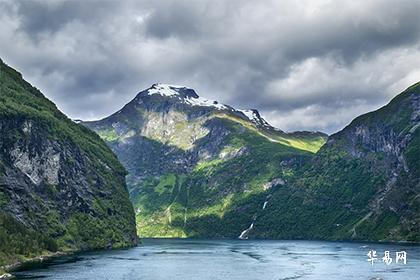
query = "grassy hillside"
{"x": 207, "y": 201}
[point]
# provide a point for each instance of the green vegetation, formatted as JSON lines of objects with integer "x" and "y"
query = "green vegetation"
{"x": 108, "y": 135}
{"x": 200, "y": 172}
{"x": 306, "y": 143}
{"x": 199, "y": 203}
{"x": 310, "y": 142}
{"x": 20, "y": 101}
{"x": 355, "y": 188}
{"x": 189, "y": 166}
{"x": 102, "y": 218}
{"x": 332, "y": 195}
{"x": 18, "y": 243}
{"x": 324, "y": 203}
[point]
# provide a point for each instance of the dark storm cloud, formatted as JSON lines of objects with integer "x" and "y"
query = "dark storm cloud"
{"x": 174, "y": 21}
{"x": 39, "y": 16}
{"x": 304, "y": 64}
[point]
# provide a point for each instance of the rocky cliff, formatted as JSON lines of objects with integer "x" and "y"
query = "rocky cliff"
{"x": 191, "y": 160}
{"x": 363, "y": 184}
{"x": 61, "y": 187}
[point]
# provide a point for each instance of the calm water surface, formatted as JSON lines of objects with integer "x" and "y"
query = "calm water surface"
{"x": 233, "y": 259}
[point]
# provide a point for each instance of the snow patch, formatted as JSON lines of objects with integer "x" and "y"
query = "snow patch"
{"x": 254, "y": 117}
{"x": 174, "y": 91}
{"x": 205, "y": 103}
{"x": 250, "y": 114}
{"x": 164, "y": 89}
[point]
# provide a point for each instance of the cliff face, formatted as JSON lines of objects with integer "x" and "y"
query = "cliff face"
{"x": 364, "y": 183}
{"x": 191, "y": 161}
{"x": 60, "y": 185}
{"x": 388, "y": 142}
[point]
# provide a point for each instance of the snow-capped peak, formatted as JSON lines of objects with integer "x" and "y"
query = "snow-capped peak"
{"x": 184, "y": 94}
{"x": 255, "y": 117}
{"x": 164, "y": 89}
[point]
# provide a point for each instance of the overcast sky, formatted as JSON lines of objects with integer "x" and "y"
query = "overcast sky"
{"x": 305, "y": 65}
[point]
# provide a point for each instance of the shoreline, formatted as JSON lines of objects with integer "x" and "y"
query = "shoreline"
{"x": 10, "y": 268}
{"x": 6, "y": 271}
{"x": 401, "y": 242}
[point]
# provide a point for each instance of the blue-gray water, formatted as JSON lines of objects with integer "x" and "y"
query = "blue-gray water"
{"x": 233, "y": 259}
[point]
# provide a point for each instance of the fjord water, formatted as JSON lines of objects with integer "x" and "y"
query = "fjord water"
{"x": 186, "y": 259}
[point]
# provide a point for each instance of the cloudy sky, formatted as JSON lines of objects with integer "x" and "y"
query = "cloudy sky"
{"x": 306, "y": 65}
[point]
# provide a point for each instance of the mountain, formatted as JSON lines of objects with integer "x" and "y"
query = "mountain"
{"x": 192, "y": 162}
{"x": 61, "y": 187}
{"x": 363, "y": 184}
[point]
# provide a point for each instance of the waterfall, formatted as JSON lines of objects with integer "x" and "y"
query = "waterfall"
{"x": 244, "y": 234}
{"x": 265, "y": 204}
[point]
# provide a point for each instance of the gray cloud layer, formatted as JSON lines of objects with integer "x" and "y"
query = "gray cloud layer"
{"x": 311, "y": 65}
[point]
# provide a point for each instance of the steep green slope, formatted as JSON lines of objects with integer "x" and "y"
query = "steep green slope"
{"x": 195, "y": 203}
{"x": 192, "y": 161}
{"x": 61, "y": 187}
{"x": 363, "y": 184}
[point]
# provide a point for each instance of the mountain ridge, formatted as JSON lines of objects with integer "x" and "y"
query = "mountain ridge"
{"x": 184, "y": 98}
{"x": 166, "y": 136}
{"x": 245, "y": 184}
